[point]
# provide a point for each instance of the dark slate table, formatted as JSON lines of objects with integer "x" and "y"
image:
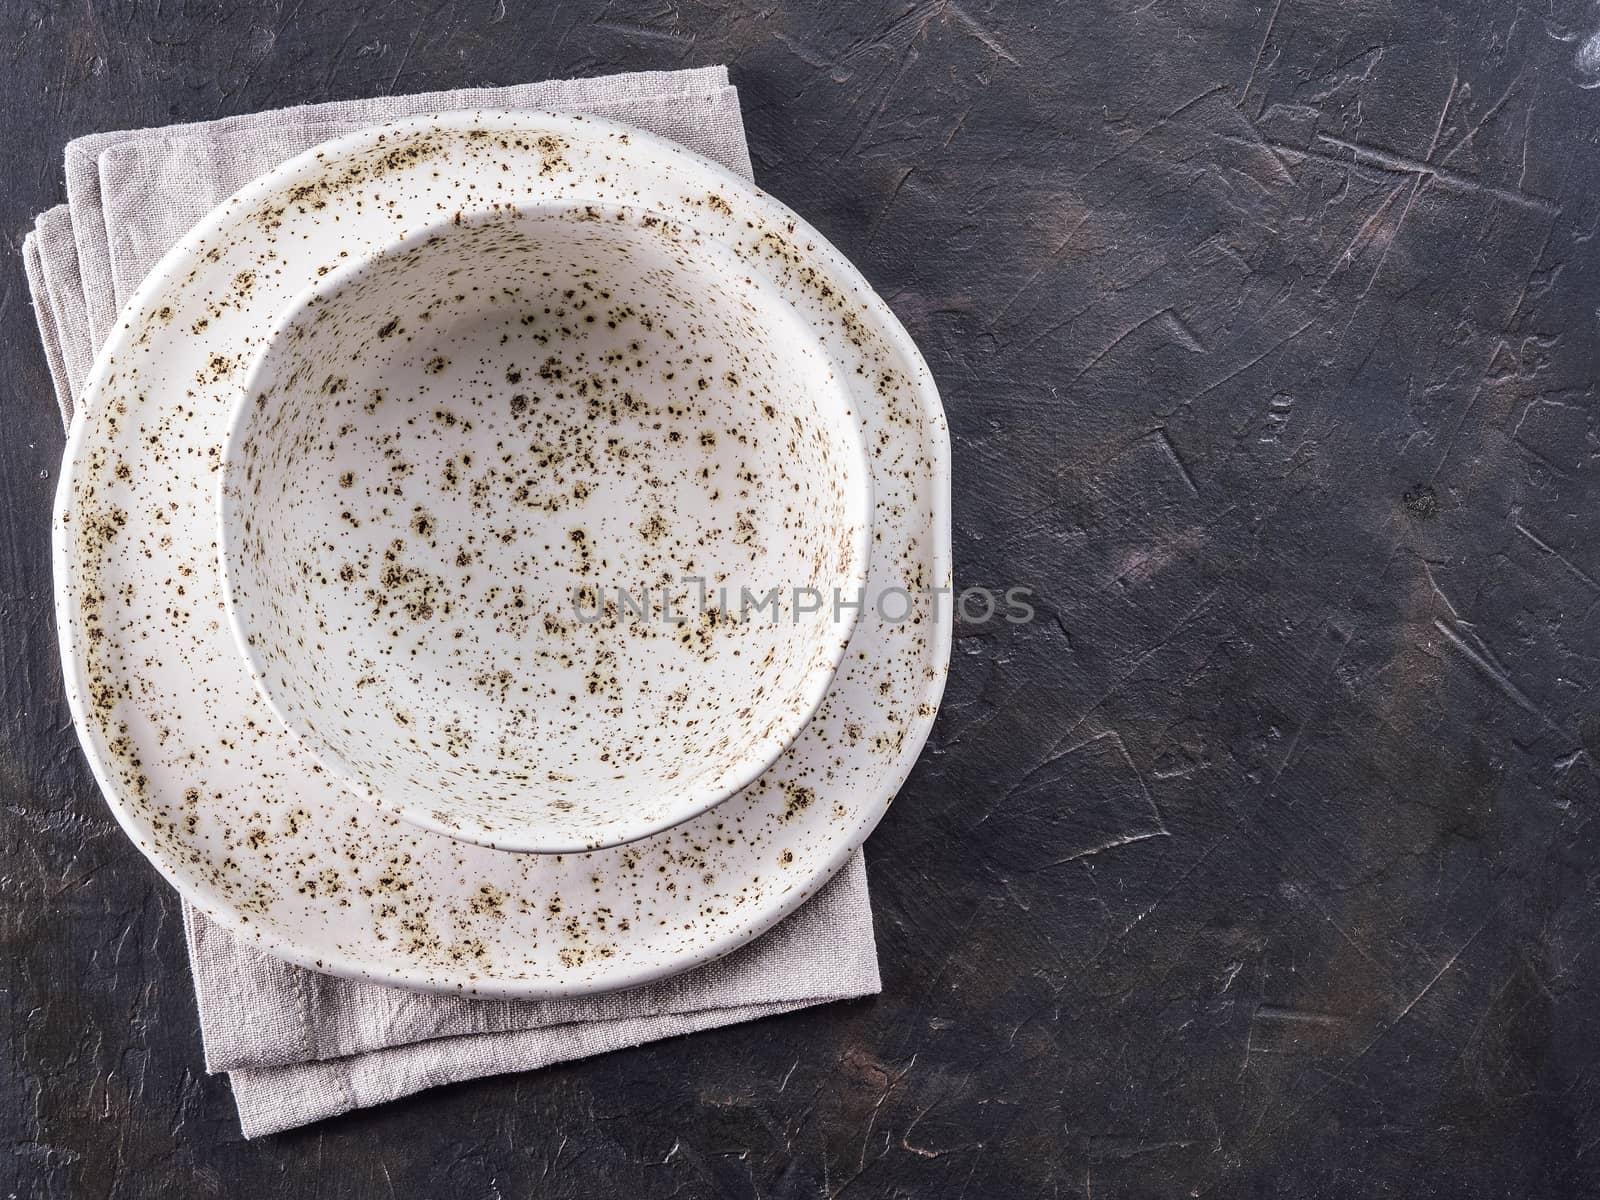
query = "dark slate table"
{"x": 1263, "y": 862}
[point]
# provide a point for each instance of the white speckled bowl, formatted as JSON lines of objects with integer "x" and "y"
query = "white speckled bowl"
{"x": 503, "y": 511}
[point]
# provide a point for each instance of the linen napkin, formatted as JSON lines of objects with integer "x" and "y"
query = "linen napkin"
{"x": 298, "y": 1045}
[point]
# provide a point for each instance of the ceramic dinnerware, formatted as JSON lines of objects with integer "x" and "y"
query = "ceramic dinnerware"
{"x": 532, "y": 523}
{"x": 210, "y": 786}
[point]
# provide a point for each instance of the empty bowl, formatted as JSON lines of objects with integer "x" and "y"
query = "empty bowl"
{"x": 544, "y": 529}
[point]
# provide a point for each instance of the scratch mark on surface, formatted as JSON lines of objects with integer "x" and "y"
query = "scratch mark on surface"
{"x": 1455, "y": 432}
{"x": 1438, "y": 975}
{"x": 1493, "y": 111}
{"x": 1126, "y": 839}
{"x": 957, "y": 127}
{"x": 1167, "y": 895}
{"x": 1302, "y": 1016}
{"x": 1164, "y": 440}
{"x": 1492, "y": 673}
{"x": 1181, "y": 332}
{"x": 894, "y": 194}
{"x": 1371, "y": 156}
{"x": 1417, "y": 188}
{"x": 1427, "y": 569}
{"x": 931, "y": 1151}
{"x": 1060, "y": 752}
{"x": 806, "y": 55}
{"x": 1048, "y": 262}
{"x": 1300, "y": 893}
{"x": 1240, "y": 370}
{"x": 1113, "y": 344}
{"x": 1255, "y": 141}
{"x": 1364, "y": 236}
{"x": 979, "y": 32}
{"x": 1133, "y": 670}
{"x": 1587, "y": 579}
{"x": 1266, "y": 36}
{"x": 889, "y": 1087}
{"x": 1287, "y": 1113}
{"x": 1057, "y": 327}
{"x": 1438, "y": 129}
{"x": 1158, "y": 124}
{"x": 1343, "y": 641}
{"x": 1394, "y": 236}
{"x": 648, "y": 32}
{"x": 405, "y": 58}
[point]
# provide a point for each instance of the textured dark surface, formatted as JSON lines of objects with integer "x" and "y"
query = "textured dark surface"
{"x": 1264, "y": 862}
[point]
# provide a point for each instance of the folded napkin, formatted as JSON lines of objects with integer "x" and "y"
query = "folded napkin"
{"x": 296, "y": 1044}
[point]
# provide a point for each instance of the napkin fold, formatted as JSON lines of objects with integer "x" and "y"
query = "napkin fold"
{"x": 299, "y": 1045}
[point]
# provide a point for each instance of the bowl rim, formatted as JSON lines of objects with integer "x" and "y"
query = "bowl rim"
{"x": 229, "y": 511}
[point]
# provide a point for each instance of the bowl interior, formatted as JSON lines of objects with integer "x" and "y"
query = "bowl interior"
{"x": 532, "y": 525}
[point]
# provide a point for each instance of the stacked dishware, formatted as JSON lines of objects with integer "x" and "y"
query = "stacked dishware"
{"x": 504, "y": 553}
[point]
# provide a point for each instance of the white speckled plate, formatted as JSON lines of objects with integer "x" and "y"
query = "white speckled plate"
{"x": 212, "y": 788}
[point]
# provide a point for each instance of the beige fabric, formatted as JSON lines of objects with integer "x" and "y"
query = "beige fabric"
{"x": 299, "y": 1045}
